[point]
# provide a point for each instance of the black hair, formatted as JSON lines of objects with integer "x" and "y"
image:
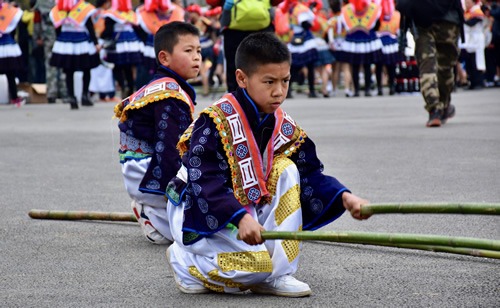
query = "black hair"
{"x": 168, "y": 35}
{"x": 258, "y": 49}
{"x": 100, "y": 3}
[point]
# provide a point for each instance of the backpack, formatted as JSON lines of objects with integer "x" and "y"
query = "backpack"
{"x": 250, "y": 15}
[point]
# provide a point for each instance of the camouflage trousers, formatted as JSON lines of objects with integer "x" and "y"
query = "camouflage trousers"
{"x": 436, "y": 50}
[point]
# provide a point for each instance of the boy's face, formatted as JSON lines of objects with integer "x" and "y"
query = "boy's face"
{"x": 267, "y": 86}
{"x": 185, "y": 59}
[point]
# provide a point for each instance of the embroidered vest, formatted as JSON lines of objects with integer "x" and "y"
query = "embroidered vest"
{"x": 365, "y": 22}
{"x": 160, "y": 89}
{"x": 249, "y": 169}
{"x": 152, "y": 21}
{"x": 9, "y": 18}
{"x": 78, "y": 14}
{"x": 390, "y": 26}
{"x": 122, "y": 17}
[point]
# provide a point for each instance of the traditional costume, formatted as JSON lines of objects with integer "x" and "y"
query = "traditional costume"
{"x": 302, "y": 45}
{"x": 75, "y": 46}
{"x": 238, "y": 161}
{"x": 388, "y": 33}
{"x": 151, "y": 123}
{"x": 125, "y": 48}
{"x": 361, "y": 45}
{"x": 10, "y": 52}
{"x": 474, "y": 45}
{"x": 151, "y": 16}
{"x": 101, "y": 77}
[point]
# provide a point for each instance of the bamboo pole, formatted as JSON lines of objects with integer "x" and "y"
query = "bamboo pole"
{"x": 454, "y": 250}
{"x": 456, "y": 245}
{"x": 82, "y": 215}
{"x": 385, "y": 238}
{"x": 431, "y": 208}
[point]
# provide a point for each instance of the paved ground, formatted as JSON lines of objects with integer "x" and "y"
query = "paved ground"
{"x": 54, "y": 158}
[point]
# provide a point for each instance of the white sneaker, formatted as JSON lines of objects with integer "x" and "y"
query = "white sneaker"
{"x": 285, "y": 285}
{"x": 184, "y": 287}
{"x": 147, "y": 227}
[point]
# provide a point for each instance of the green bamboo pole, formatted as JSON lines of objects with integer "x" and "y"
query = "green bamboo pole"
{"x": 454, "y": 250}
{"x": 385, "y": 238}
{"x": 82, "y": 215}
{"x": 431, "y": 208}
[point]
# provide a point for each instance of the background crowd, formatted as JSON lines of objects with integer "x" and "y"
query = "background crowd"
{"x": 356, "y": 46}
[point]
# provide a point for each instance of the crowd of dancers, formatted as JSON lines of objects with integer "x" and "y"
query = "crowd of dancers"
{"x": 111, "y": 43}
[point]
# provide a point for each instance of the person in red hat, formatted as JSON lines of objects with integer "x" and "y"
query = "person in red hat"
{"x": 76, "y": 47}
{"x": 125, "y": 48}
{"x": 10, "y": 52}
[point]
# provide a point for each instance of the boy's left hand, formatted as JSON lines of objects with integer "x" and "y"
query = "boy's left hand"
{"x": 353, "y": 204}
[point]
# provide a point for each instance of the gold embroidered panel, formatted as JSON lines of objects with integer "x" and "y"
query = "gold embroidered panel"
{"x": 245, "y": 261}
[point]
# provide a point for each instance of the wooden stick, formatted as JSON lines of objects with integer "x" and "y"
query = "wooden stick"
{"x": 82, "y": 215}
{"x": 431, "y": 208}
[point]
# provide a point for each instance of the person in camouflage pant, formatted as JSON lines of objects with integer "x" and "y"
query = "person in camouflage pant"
{"x": 56, "y": 84}
{"x": 436, "y": 26}
{"x": 436, "y": 50}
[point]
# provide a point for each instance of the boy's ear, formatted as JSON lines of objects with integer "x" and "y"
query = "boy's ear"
{"x": 164, "y": 58}
{"x": 241, "y": 79}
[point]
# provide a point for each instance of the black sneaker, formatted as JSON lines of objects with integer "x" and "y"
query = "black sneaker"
{"x": 435, "y": 116}
{"x": 86, "y": 101}
{"x": 448, "y": 113}
{"x": 72, "y": 102}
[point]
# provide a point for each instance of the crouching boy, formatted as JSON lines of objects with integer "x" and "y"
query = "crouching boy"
{"x": 247, "y": 167}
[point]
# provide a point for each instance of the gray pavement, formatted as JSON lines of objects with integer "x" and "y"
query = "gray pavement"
{"x": 54, "y": 158}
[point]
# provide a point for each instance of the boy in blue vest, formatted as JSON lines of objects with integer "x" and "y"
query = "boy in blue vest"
{"x": 151, "y": 123}
{"x": 247, "y": 167}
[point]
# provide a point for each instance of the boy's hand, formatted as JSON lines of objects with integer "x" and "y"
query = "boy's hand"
{"x": 353, "y": 204}
{"x": 249, "y": 230}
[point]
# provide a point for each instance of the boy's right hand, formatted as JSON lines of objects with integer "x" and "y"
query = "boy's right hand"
{"x": 249, "y": 230}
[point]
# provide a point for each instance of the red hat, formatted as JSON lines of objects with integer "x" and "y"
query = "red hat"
{"x": 66, "y": 5}
{"x": 194, "y": 8}
{"x": 157, "y": 5}
{"x": 121, "y": 5}
{"x": 359, "y": 5}
{"x": 214, "y": 12}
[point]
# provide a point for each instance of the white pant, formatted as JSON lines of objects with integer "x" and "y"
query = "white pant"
{"x": 223, "y": 263}
{"x": 155, "y": 206}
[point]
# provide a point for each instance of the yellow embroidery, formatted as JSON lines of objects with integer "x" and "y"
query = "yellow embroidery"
{"x": 291, "y": 248}
{"x": 245, "y": 261}
{"x": 280, "y": 163}
{"x": 214, "y": 275}
{"x": 121, "y": 112}
{"x": 288, "y": 204}
{"x": 211, "y": 286}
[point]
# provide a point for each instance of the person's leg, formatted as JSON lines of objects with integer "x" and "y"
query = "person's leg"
{"x": 447, "y": 55}
{"x": 347, "y": 75}
{"x": 71, "y": 99}
{"x": 129, "y": 76}
{"x": 86, "y": 101}
{"x": 118, "y": 75}
{"x": 378, "y": 75}
{"x": 232, "y": 39}
{"x": 311, "y": 79}
{"x": 355, "y": 78}
{"x": 391, "y": 76}
{"x": 426, "y": 54}
{"x": 368, "y": 78}
{"x": 11, "y": 83}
